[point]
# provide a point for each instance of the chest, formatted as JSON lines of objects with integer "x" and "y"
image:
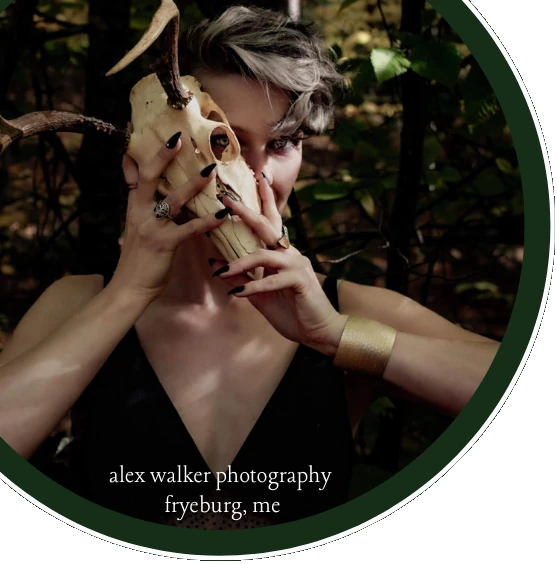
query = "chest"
{"x": 218, "y": 378}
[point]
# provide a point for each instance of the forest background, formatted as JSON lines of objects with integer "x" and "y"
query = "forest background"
{"x": 416, "y": 187}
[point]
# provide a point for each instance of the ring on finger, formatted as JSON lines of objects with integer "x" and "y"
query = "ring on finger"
{"x": 283, "y": 242}
{"x": 162, "y": 210}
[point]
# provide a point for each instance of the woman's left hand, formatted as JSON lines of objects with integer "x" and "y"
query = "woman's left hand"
{"x": 289, "y": 295}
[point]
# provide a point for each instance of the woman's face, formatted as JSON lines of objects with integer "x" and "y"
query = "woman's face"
{"x": 252, "y": 112}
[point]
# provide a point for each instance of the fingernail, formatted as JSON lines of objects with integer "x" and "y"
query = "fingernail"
{"x": 231, "y": 196}
{"x": 207, "y": 170}
{"x": 221, "y": 270}
{"x": 236, "y": 290}
{"x": 212, "y": 261}
{"x": 223, "y": 213}
{"x": 171, "y": 143}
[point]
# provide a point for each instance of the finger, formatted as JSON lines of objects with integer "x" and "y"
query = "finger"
{"x": 198, "y": 226}
{"x": 274, "y": 283}
{"x": 269, "y": 203}
{"x": 260, "y": 225}
{"x": 260, "y": 258}
{"x": 131, "y": 172}
{"x": 181, "y": 194}
{"x": 150, "y": 173}
{"x": 232, "y": 281}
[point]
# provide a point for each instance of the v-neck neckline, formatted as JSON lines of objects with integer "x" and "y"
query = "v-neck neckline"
{"x": 258, "y": 422}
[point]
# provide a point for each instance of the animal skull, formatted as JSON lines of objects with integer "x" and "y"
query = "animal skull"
{"x": 163, "y": 103}
{"x": 205, "y": 131}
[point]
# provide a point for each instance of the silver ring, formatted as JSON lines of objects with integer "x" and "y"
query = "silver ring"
{"x": 162, "y": 210}
{"x": 283, "y": 242}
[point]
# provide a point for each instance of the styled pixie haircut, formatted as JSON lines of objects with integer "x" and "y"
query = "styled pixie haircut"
{"x": 277, "y": 52}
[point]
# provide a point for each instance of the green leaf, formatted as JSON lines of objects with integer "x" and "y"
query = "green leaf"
{"x": 479, "y": 99}
{"x": 450, "y": 174}
{"x": 324, "y": 191}
{"x": 388, "y": 63}
{"x": 348, "y": 133}
{"x": 436, "y": 60}
{"x": 345, "y": 5}
{"x": 484, "y": 288}
{"x": 504, "y": 166}
{"x": 432, "y": 150}
{"x": 365, "y": 149}
{"x": 489, "y": 184}
{"x": 365, "y": 76}
{"x": 367, "y": 202}
{"x": 191, "y": 14}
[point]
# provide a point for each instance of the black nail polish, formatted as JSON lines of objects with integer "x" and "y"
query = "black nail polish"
{"x": 207, "y": 170}
{"x": 223, "y": 213}
{"x": 212, "y": 261}
{"x": 172, "y": 142}
{"x": 221, "y": 270}
{"x": 231, "y": 196}
{"x": 236, "y": 290}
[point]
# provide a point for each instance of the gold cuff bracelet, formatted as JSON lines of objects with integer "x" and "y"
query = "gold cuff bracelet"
{"x": 365, "y": 346}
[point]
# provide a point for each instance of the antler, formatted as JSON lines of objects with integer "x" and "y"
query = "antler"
{"x": 166, "y": 21}
{"x": 38, "y": 122}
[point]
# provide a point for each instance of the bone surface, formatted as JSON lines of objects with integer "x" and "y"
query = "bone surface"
{"x": 204, "y": 127}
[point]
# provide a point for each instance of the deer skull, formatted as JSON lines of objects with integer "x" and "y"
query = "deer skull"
{"x": 206, "y": 139}
{"x": 163, "y": 103}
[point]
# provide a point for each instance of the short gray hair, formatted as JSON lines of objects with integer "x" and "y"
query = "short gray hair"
{"x": 277, "y": 52}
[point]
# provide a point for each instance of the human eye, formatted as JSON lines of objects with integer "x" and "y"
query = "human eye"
{"x": 283, "y": 144}
{"x": 219, "y": 142}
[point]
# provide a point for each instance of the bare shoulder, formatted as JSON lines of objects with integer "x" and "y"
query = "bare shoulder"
{"x": 398, "y": 311}
{"x": 60, "y": 301}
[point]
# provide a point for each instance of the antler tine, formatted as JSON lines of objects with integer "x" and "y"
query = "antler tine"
{"x": 38, "y": 122}
{"x": 167, "y": 68}
{"x": 166, "y": 21}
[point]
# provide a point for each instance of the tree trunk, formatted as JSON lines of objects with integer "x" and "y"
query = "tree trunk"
{"x": 402, "y": 221}
{"x": 13, "y": 42}
{"x": 99, "y": 164}
{"x": 415, "y": 92}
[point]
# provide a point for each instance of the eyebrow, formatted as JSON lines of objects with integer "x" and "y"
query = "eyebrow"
{"x": 271, "y": 127}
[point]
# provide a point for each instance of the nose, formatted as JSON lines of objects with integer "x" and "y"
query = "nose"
{"x": 258, "y": 161}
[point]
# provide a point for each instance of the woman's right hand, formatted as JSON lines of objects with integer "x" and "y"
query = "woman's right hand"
{"x": 149, "y": 242}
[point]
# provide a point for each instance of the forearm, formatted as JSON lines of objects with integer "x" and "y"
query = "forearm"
{"x": 444, "y": 373}
{"x": 38, "y": 387}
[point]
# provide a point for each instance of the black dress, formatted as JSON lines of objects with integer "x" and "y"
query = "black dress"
{"x": 125, "y": 422}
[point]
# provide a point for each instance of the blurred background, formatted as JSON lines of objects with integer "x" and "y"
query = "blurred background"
{"x": 416, "y": 187}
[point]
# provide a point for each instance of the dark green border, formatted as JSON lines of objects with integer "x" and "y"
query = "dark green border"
{"x": 446, "y": 448}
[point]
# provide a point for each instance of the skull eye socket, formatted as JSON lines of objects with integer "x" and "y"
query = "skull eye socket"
{"x": 221, "y": 145}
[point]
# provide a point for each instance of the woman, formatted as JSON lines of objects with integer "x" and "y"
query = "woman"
{"x": 184, "y": 373}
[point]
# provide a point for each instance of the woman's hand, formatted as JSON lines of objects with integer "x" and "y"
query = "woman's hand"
{"x": 150, "y": 242}
{"x": 289, "y": 295}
